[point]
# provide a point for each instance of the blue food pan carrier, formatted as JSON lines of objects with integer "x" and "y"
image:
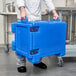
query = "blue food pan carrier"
{"x": 37, "y": 39}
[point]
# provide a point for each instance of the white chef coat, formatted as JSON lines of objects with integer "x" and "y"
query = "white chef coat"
{"x": 33, "y": 8}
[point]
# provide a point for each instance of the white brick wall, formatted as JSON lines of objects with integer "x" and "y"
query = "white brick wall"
{"x": 60, "y": 3}
{"x": 70, "y": 3}
{"x": 57, "y": 3}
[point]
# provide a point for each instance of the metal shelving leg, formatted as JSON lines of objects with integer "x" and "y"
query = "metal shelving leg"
{"x": 6, "y": 41}
{"x": 60, "y": 15}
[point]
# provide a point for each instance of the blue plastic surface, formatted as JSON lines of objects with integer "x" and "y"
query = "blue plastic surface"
{"x": 39, "y": 39}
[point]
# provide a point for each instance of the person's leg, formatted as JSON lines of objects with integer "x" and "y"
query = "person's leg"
{"x": 21, "y": 63}
{"x": 41, "y": 65}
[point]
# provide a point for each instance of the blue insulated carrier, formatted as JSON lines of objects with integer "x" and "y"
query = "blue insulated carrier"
{"x": 37, "y": 39}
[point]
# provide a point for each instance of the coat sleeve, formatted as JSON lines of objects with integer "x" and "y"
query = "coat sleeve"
{"x": 49, "y": 4}
{"x": 20, "y": 3}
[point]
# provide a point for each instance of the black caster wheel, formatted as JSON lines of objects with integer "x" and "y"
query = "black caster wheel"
{"x": 60, "y": 62}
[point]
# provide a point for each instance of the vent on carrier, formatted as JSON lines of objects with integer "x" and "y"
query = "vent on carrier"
{"x": 34, "y": 29}
{"x": 35, "y": 51}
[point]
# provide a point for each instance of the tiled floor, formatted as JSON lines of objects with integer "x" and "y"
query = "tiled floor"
{"x": 8, "y": 67}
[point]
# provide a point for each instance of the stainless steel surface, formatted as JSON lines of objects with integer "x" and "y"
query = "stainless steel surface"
{"x": 10, "y": 7}
{"x": 6, "y": 27}
{"x": 70, "y": 51}
{"x": 66, "y": 8}
{"x": 8, "y": 13}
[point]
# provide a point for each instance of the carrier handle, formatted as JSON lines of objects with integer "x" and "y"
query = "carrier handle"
{"x": 58, "y": 19}
{"x": 24, "y": 21}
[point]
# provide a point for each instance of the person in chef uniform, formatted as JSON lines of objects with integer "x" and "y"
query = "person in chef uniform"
{"x": 32, "y": 9}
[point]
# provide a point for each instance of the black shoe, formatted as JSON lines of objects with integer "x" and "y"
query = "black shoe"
{"x": 41, "y": 65}
{"x": 21, "y": 69}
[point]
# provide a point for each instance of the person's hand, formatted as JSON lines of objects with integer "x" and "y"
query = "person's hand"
{"x": 23, "y": 13}
{"x": 55, "y": 15}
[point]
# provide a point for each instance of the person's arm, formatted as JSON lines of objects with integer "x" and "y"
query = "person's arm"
{"x": 51, "y": 8}
{"x": 55, "y": 15}
{"x": 21, "y": 6}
